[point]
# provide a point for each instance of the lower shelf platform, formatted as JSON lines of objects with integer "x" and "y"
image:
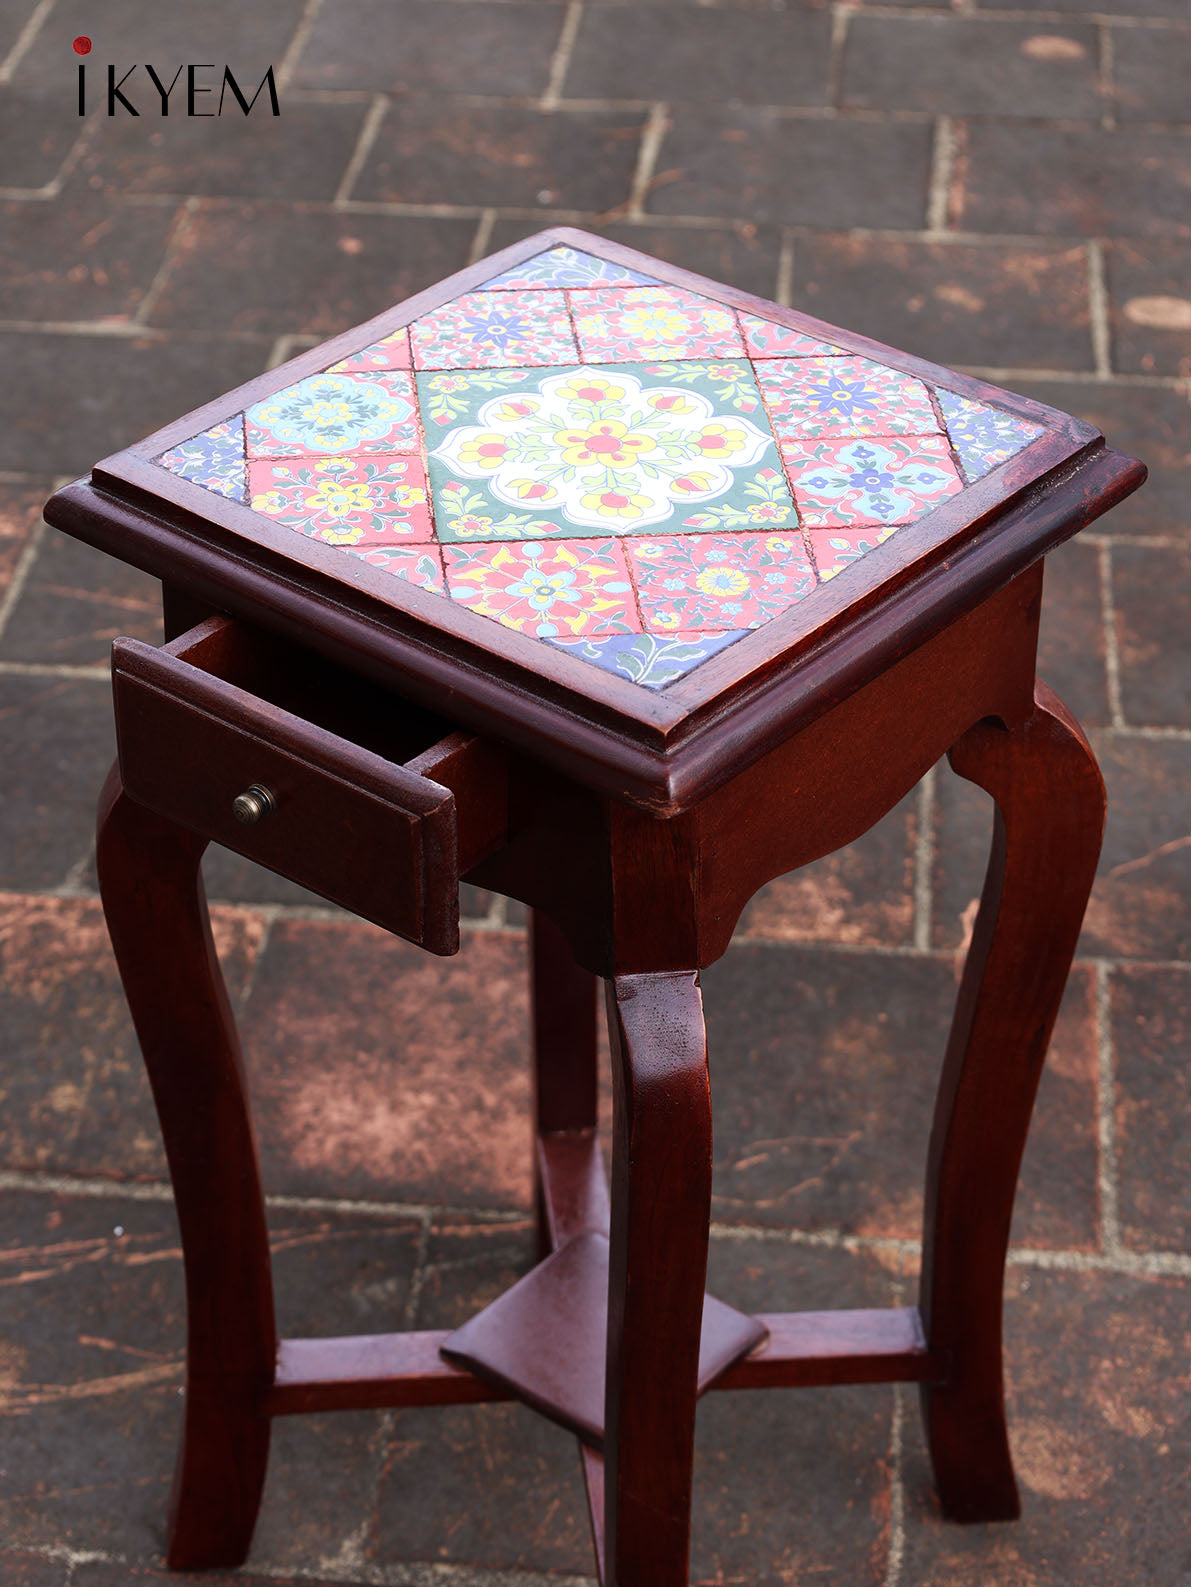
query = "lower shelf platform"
{"x": 545, "y": 1339}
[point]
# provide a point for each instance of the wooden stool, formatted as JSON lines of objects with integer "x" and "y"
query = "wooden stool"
{"x": 621, "y": 593}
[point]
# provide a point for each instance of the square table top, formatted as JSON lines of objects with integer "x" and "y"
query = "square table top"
{"x": 629, "y": 498}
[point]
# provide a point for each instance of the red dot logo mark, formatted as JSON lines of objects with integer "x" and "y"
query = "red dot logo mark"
{"x": 82, "y": 45}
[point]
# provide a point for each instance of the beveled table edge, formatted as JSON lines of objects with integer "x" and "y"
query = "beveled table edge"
{"x": 654, "y": 748}
{"x": 625, "y": 759}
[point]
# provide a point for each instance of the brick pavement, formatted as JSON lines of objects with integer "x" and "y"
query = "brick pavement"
{"x": 1002, "y": 186}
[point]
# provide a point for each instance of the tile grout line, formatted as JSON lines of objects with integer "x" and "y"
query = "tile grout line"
{"x": 482, "y": 241}
{"x": 942, "y": 171}
{"x": 784, "y": 289}
{"x": 20, "y": 573}
{"x": 1108, "y": 620}
{"x": 297, "y": 44}
{"x": 1110, "y": 1223}
{"x": 895, "y": 1559}
{"x": 24, "y": 39}
{"x": 1122, "y": 1261}
{"x": 178, "y": 230}
{"x": 924, "y": 858}
{"x": 1098, "y": 311}
{"x": 652, "y": 136}
{"x": 841, "y": 15}
{"x": 1108, "y": 91}
{"x": 560, "y": 61}
{"x": 369, "y": 128}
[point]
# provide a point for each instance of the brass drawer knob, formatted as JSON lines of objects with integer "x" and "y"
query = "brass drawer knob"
{"x": 255, "y": 802}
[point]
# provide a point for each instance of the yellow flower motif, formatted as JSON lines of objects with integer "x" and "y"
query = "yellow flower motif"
{"x": 320, "y": 413}
{"x": 670, "y": 402}
{"x": 779, "y": 543}
{"x": 717, "y": 439}
{"x": 470, "y": 524}
{"x": 532, "y": 490}
{"x": 654, "y": 324}
{"x": 340, "y": 500}
{"x": 486, "y": 449}
{"x": 345, "y": 535}
{"x": 410, "y": 496}
{"x": 517, "y": 408}
{"x": 694, "y": 483}
{"x": 664, "y": 620}
{"x": 591, "y": 388}
{"x": 616, "y": 504}
{"x": 607, "y": 442}
{"x": 722, "y": 581}
{"x": 272, "y": 501}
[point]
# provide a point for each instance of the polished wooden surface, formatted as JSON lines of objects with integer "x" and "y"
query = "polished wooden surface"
{"x": 642, "y": 889}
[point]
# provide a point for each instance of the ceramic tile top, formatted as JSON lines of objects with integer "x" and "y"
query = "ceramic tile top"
{"x": 631, "y": 473}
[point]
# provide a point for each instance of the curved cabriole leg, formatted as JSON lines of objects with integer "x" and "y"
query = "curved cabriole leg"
{"x": 661, "y": 1206}
{"x": 1049, "y": 823}
{"x": 157, "y": 916}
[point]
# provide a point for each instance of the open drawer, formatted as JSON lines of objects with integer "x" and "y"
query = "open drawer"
{"x": 311, "y": 771}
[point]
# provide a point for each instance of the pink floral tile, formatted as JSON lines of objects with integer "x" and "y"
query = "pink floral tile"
{"x": 391, "y": 352}
{"x": 731, "y": 581}
{"x": 631, "y": 323}
{"x": 558, "y": 589}
{"x": 346, "y": 501}
{"x": 495, "y": 330}
{"x": 327, "y": 415}
{"x": 881, "y": 481}
{"x": 765, "y": 339}
{"x": 843, "y": 396}
{"x": 836, "y": 549}
{"x": 419, "y": 565}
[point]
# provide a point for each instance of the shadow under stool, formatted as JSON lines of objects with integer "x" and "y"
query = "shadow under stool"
{"x": 621, "y": 593}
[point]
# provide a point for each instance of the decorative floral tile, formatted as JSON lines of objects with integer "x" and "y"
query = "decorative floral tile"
{"x": 610, "y": 449}
{"x": 649, "y": 659}
{"x": 886, "y": 481}
{"x": 983, "y": 436}
{"x": 730, "y": 381}
{"x": 718, "y": 581}
{"x": 567, "y": 267}
{"x": 765, "y": 339}
{"x": 843, "y": 396}
{"x": 214, "y": 459}
{"x": 566, "y": 588}
{"x": 418, "y": 565}
{"x": 614, "y": 323}
{"x": 495, "y": 330}
{"x": 348, "y": 501}
{"x": 836, "y": 549}
{"x": 391, "y": 352}
{"x": 328, "y": 414}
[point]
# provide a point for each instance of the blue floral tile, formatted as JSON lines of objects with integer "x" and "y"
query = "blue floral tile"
{"x": 983, "y": 436}
{"x": 843, "y": 396}
{"x": 495, "y": 330}
{"x": 327, "y": 415}
{"x": 649, "y": 659}
{"x": 887, "y": 481}
{"x": 568, "y": 267}
{"x": 214, "y": 459}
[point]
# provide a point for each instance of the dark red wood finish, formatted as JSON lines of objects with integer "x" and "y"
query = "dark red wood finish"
{"x": 663, "y": 751}
{"x": 636, "y": 827}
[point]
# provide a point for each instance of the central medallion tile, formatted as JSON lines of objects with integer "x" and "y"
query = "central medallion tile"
{"x": 618, "y": 449}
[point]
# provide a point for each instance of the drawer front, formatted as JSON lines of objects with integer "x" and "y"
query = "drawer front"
{"x": 360, "y": 831}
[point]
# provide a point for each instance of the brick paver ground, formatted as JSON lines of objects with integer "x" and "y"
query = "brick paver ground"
{"x": 1005, "y": 186}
